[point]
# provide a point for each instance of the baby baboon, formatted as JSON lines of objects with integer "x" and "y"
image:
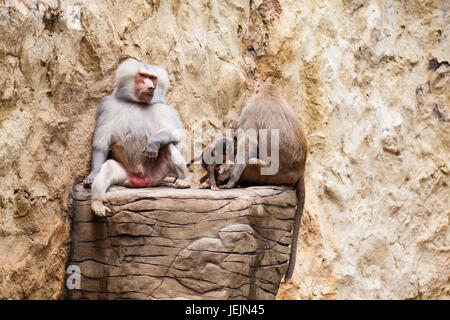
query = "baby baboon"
{"x": 217, "y": 160}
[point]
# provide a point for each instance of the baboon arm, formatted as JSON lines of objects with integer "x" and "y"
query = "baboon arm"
{"x": 158, "y": 140}
{"x": 98, "y": 158}
{"x": 211, "y": 175}
{"x": 242, "y": 158}
{"x": 163, "y": 138}
{"x": 235, "y": 174}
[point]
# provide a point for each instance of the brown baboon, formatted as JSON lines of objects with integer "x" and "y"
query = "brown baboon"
{"x": 268, "y": 109}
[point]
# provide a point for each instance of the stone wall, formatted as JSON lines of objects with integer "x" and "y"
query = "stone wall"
{"x": 368, "y": 79}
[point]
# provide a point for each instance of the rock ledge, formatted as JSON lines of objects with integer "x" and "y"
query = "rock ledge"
{"x": 163, "y": 243}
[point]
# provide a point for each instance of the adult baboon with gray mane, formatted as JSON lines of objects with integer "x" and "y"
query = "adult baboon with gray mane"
{"x": 137, "y": 129}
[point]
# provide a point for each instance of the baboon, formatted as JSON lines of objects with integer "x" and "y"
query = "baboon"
{"x": 268, "y": 109}
{"x": 139, "y": 133}
{"x": 217, "y": 159}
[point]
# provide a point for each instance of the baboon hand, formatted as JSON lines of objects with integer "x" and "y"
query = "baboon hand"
{"x": 99, "y": 209}
{"x": 223, "y": 176}
{"x": 182, "y": 184}
{"x": 152, "y": 150}
{"x": 229, "y": 185}
{"x": 88, "y": 180}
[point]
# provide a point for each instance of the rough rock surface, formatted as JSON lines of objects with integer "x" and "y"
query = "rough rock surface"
{"x": 163, "y": 243}
{"x": 369, "y": 79}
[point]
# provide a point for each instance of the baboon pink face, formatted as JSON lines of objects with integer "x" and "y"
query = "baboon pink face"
{"x": 145, "y": 85}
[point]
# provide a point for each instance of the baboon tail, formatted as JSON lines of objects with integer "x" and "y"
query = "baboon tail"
{"x": 300, "y": 190}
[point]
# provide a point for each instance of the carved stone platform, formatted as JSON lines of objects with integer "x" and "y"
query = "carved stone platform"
{"x": 164, "y": 243}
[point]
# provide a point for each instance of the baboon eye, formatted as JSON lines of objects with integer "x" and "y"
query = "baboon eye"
{"x": 148, "y": 76}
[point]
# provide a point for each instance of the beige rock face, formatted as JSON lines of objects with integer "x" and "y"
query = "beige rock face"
{"x": 164, "y": 243}
{"x": 370, "y": 81}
